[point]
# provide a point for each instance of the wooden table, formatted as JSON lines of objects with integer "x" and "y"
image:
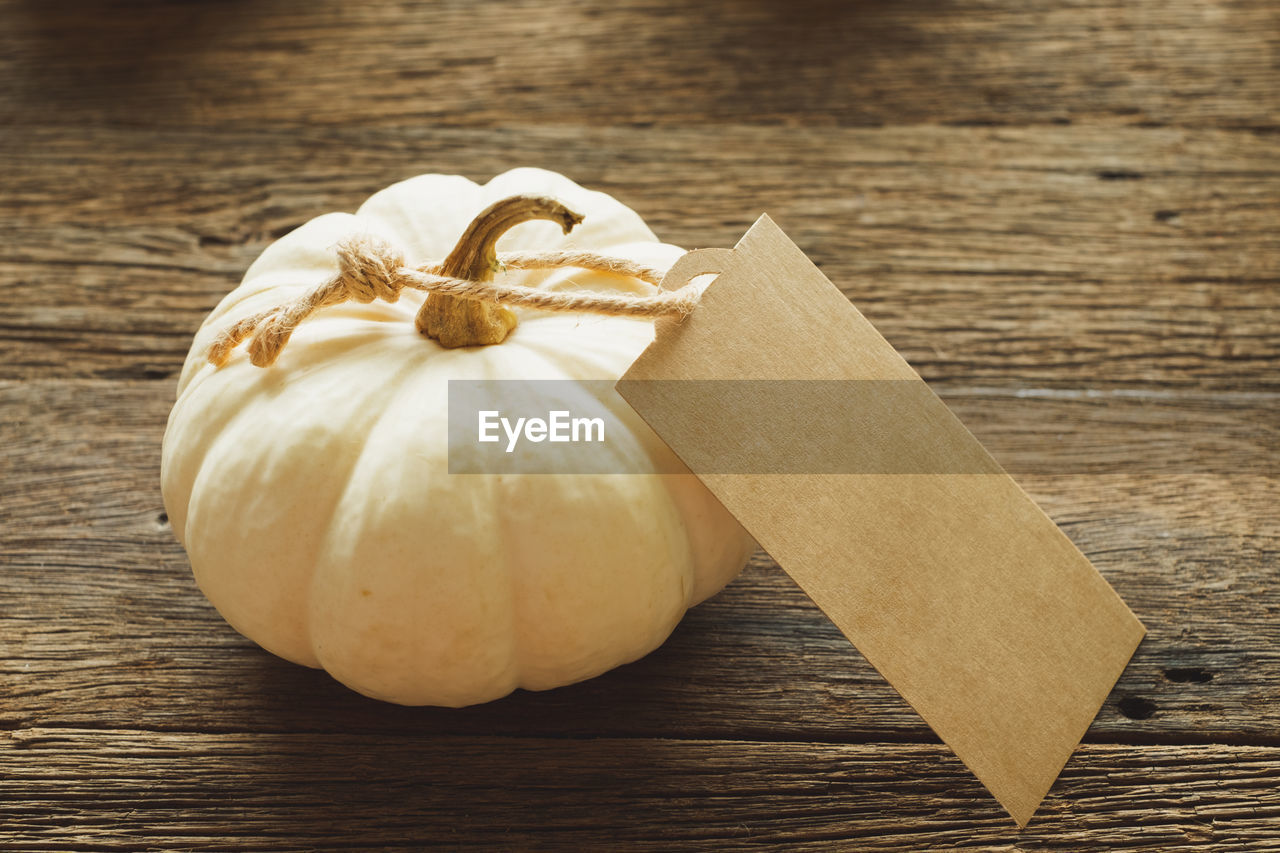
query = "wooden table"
{"x": 1065, "y": 215}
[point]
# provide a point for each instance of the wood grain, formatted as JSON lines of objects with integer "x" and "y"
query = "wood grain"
{"x": 986, "y": 256}
{"x": 1150, "y": 62}
{"x": 118, "y": 635}
{"x": 360, "y": 791}
{"x": 1062, "y": 213}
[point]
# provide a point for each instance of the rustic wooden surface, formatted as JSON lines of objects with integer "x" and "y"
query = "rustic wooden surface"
{"x": 1064, "y": 214}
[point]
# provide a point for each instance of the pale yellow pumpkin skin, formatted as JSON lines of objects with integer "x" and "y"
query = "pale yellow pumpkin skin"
{"x": 314, "y": 500}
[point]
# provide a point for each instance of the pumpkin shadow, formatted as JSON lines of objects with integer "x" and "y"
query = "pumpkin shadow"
{"x": 649, "y": 753}
{"x": 288, "y": 752}
{"x": 732, "y": 668}
{"x": 268, "y": 749}
{"x": 702, "y": 682}
{"x": 518, "y": 767}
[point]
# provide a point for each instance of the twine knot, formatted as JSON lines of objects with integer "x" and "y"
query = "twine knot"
{"x": 369, "y": 269}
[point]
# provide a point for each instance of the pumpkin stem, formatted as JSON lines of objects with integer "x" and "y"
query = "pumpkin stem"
{"x": 456, "y": 321}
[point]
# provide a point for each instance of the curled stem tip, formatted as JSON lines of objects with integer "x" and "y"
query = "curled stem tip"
{"x": 457, "y": 321}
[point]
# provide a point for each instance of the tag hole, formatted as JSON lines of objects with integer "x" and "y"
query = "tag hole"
{"x": 163, "y": 519}
{"x": 1137, "y": 708}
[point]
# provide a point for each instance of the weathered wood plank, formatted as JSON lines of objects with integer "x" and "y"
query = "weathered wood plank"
{"x": 101, "y": 623}
{"x": 988, "y": 256}
{"x": 1189, "y": 62}
{"x": 1072, "y": 200}
{"x": 74, "y": 790}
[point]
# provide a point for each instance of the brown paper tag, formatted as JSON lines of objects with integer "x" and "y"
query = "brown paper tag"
{"x": 954, "y": 585}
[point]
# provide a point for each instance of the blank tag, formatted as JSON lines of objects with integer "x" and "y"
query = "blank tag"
{"x": 954, "y": 584}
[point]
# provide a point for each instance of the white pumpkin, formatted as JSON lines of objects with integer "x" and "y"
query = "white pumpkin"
{"x": 314, "y": 500}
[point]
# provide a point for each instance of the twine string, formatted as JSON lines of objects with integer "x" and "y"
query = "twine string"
{"x": 371, "y": 269}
